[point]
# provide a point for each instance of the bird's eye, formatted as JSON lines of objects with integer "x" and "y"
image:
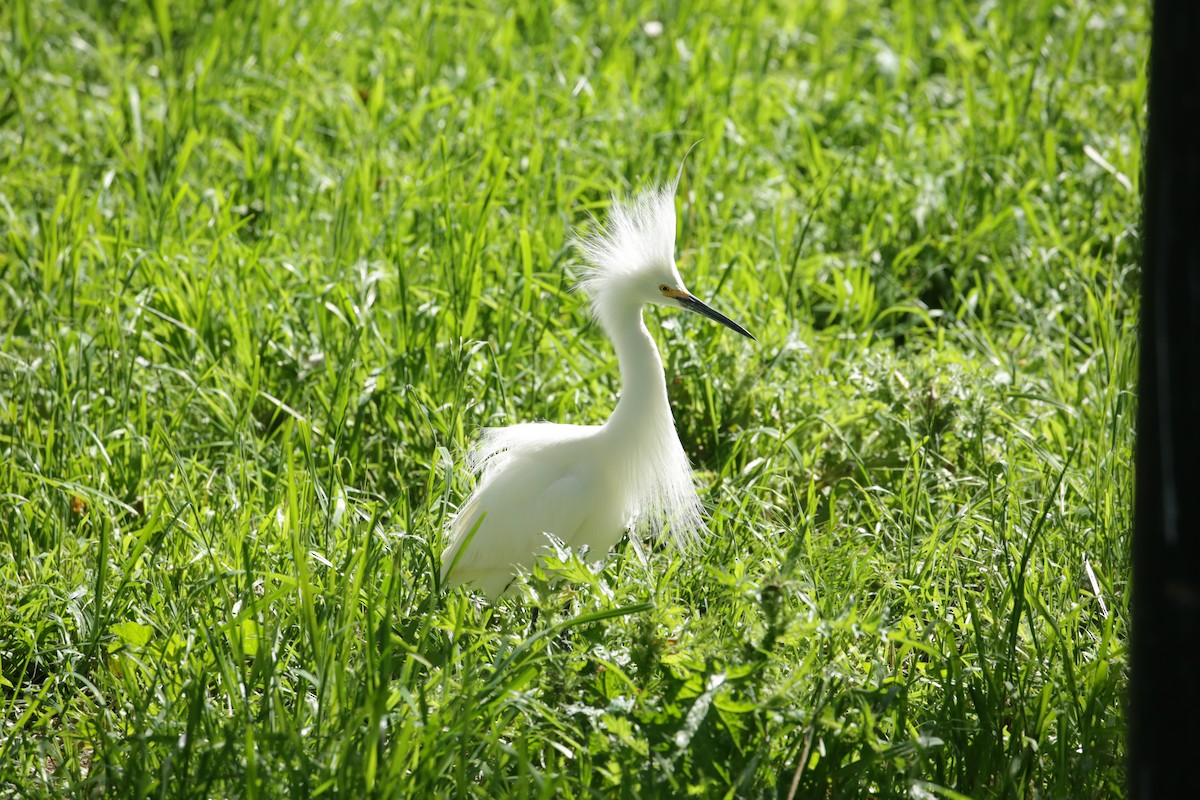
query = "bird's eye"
{"x": 664, "y": 288}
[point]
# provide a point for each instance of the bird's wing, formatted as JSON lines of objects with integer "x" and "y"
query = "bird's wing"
{"x": 565, "y": 504}
{"x": 512, "y": 532}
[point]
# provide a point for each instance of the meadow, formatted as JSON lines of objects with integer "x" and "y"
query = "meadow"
{"x": 266, "y": 268}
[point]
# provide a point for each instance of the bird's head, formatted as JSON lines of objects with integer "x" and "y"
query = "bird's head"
{"x": 631, "y": 260}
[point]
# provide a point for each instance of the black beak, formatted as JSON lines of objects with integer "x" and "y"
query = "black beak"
{"x": 692, "y": 304}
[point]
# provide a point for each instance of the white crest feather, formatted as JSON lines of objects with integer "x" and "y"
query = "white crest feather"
{"x": 638, "y": 234}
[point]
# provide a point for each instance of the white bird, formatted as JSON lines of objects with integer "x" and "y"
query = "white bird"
{"x": 588, "y": 484}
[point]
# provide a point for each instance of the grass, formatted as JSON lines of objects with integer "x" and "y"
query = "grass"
{"x": 265, "y": 267}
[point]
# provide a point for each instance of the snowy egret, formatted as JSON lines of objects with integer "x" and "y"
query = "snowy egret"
{"x": 588, "y": 484}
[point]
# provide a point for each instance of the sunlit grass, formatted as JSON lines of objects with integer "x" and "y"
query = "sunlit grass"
{"x": 266, "y": 267}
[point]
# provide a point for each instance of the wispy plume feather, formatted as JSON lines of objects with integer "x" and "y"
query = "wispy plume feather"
{"x": 638, "y": 233}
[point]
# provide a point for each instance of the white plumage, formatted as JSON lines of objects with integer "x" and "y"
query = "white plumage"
{"x": 588, "y": 484}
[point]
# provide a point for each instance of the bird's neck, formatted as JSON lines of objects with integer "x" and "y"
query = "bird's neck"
{"x": 643, "y": 401}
